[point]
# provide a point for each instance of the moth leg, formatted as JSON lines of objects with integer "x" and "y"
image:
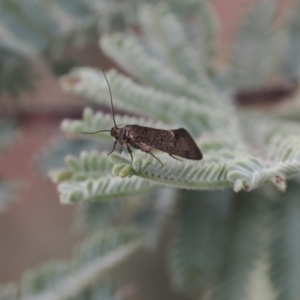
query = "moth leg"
{"x": 130, "y": 152}
{"x": 146, "y": 149}
{"x": 121, "y": 148}
{"x": 175, "y": 157}
{"x": 155, "y": 157}
{"x": 113, "y": 148}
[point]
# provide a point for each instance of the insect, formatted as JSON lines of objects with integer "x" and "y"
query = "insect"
{"x": 174, "y": 142}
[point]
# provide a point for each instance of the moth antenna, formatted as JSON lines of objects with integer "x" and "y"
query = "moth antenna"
{"x": 95, "y": 131}
{"x": 112, "y": 106}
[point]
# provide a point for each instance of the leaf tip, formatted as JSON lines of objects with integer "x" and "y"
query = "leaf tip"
{"x": 125, "y": 171}
{"x": 58, "y": 176}
{"x": 73, "y": 197}
{"x": 279, "y": 182}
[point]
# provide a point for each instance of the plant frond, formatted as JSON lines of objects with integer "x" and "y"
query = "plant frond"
{"x": 277, "y": 142}
{"x": 251, "y": 48}
{"x": 93, "y": 260}
{"x": 285, "y": 245}
{"x": 260, "y": 286}
{"x": 96, "y": 215}
{"x": 127, "y": 51}
{"x": 22, "y": 23}
{"x": 150, "y": 212}
{"x": 128, "y": 95}
{"x": 165, "y": 32}
{"x": 104, "y": 188}
{"x": 227, "y": 159}
{"x": 250, "y": 172}
{"x": 87, "y": 165}
{"x": 245, "y": 242}
{"x": 53, "y": 157}
{"x": 163, "y": 202}
{"x": 198, "y": 240}
{"x": 47, "y": 275}
{"x": 9, "y": 292}
{"x": 104, "y": 241}
{"x": 208, "y": 35}
{"x": 16, "y": 72}
{"x": 292, "y": 59}
{"x": 39, "y": 24}
{"x": 104, "y": 290}
{"x": 97, "y": 121}
{"x": 189, "y": 175}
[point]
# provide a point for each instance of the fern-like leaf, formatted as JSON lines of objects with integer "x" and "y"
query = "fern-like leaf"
{"x": 96, "y": 215}
{"x": 224, "y": 164}
{"x": 278, "y": 142}
{"x": 251, "y": 48}
{"x": 128, "y": 95}
{"x": 97, "y": 121}
{"x": 87, "y": 165}
{"x": 16, "y": 72}
{"x": 93, "y": 260}
{"x": 195, "y": 254}
{"x": 208, "y": 37}
{"x": 108, "y": 187}
{"x": 189, "y": 175}
{"x": 9, "y": 292}
{"x": 292, "y": 59}
{"x": 88, "y": 178}
{"x": 132, "y": 56}
{"x": 285, "y": 247}
{"x": 244, "y": 244}
{"x": 165, "y": 32}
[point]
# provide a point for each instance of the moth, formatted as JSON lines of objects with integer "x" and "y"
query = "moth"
{"x": 176, "y": 142}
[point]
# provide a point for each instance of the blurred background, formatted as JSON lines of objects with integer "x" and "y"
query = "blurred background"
{"x": 35, "y": 227}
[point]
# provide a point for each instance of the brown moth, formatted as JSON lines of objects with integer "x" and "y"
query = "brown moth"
{"x": 174, "y": 142}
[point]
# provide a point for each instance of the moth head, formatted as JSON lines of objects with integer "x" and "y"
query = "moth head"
{"x": 115, "y": 132}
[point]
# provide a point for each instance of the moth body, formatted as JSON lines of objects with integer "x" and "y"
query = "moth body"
{"x": 174, "y": 142}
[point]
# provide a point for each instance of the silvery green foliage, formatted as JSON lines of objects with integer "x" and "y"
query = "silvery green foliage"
{"x": 37, "y": 23}
{"x": 45, "y": 28}
{"x": 17, "y": 72}
{"x": 285, "y": 245}
{"x": 78, "y": 278}
{"x": 257, "y": 34}
{"x": 165, "y": 36}
{"x": 201, "y": 222}
{"x": 43, "y": 25}
{"x": 9, "y": 292}
{"x": 88, "y": 178}
{"x": 292, "y": 60}
{"x": 245, "y": 242}
{"x": 216, "y": 237}
{"x": 228, "y": 160}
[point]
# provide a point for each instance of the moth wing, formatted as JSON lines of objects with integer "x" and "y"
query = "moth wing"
{"x": 176, "y": 142}
{"x": 185, "y": 145}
